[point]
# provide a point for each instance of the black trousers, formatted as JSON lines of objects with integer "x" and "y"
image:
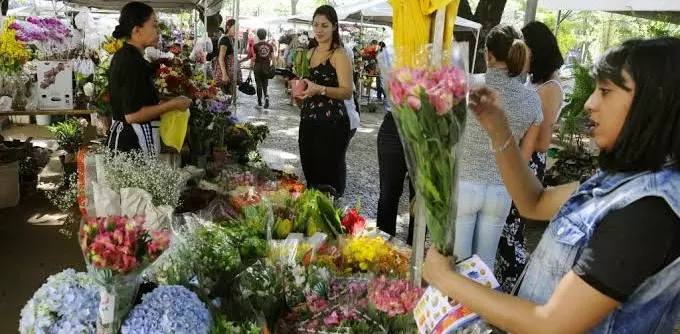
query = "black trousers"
{"x": 393, "y": 170}
{"x": 261, "y": 72}
{"x": 323, "y": 146}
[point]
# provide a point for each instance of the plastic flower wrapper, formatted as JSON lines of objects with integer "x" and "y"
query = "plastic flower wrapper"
{"x": 169, "y": 309}
{"x": 137, "y": 170}
{"x": 427, "y": 101}
{"x": 260, "y": 285}
{"x": 117, "y": 249}
{"x": 66, "y": 303}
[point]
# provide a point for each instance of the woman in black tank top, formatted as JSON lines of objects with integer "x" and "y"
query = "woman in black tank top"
{"x": 324, "y": 124}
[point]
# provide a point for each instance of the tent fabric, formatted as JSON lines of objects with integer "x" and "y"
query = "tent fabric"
{"x": 612, "y": 5}
{"x": 213, "y": 6}
{"x": 376, "y": 12}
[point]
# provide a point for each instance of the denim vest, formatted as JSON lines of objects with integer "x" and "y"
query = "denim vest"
{"x": 654, "y": 306}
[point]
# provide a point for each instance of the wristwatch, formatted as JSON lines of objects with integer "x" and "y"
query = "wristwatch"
{"x": 323, "y": 90}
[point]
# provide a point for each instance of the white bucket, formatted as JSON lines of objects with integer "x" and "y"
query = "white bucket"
{"x": 43, "y": 119}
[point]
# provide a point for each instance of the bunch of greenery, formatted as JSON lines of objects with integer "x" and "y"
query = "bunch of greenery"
{"x": 70, "y": 134}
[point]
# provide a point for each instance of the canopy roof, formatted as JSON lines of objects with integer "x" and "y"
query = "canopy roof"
{"x": 214, "y": 6}
{"x": 376, "y": 12}
{"x": 660, "y": 10}
{"x": 613, "y": 5}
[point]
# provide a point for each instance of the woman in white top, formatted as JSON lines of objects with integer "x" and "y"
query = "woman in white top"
{"x": 483, "y": 201}
{"x": 546, "y": 59}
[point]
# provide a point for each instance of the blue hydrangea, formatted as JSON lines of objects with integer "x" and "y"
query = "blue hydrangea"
{"x": 168, "y": 309}
{"x": 66, "y": 303}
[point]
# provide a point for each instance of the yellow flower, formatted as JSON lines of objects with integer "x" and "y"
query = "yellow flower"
{"x": 13, "y": 54}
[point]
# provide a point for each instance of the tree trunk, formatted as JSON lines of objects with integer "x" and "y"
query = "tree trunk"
{"x": 488, "y": 13}
{"x": 293, "y": 7}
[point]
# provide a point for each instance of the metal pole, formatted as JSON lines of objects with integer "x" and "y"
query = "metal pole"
{"x": 237, "y": 47}
{"x": 530, "y": 12}
{"x": 361, "y": 67}
{"x": 205, "y": 33}
{"x": 474, "y": 58}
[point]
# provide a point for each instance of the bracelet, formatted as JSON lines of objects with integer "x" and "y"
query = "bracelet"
{"x": 504, "y": 147}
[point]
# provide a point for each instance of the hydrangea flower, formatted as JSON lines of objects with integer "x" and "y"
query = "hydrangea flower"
{"x": 66, "y": 303}
{"x": 168, "y": 309}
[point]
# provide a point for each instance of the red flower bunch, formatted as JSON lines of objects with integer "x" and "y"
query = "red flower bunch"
{"x": 120, "y": 243}
{"x": 353, "y": 222}
{"x": 395, "y": 297}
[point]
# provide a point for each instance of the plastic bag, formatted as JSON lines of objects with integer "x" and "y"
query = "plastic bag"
{"x": 173, "y": 128}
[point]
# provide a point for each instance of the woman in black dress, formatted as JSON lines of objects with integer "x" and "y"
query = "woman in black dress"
{"x": 324, "y": 123}
{"x": 134, "y": 99}
{"x": 546, "y": 59}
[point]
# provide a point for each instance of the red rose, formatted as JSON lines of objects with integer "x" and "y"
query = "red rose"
{"x": 106, "y": 97}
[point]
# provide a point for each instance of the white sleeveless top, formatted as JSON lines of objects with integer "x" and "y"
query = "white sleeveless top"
{"x": 537, "y": 87}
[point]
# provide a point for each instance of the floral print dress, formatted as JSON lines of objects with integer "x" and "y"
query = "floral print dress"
{"x": 320, "y": 107}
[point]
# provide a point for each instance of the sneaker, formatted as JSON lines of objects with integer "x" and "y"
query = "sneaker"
{"x": 266, "y": 103}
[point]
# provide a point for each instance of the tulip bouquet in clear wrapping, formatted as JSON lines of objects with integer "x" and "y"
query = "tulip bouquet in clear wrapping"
{"x": 117, "y": 249}
{"x": 427, "y": 102}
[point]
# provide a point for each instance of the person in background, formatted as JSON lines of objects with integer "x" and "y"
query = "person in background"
{"x": 324, "y": 122}
{"x": 483, "y": 201}
{"x": 224, "y": 74}
{"x": 262, "y": 66}
{"x": 546, "y": 59}
{"x": 354, "y": 117}
{"x": 134, "y": 98}
{"x": 219, "y": 32}
{"x": 392, "y": 171}
{"x": 250, "y": 44}
{"x": 378, "y": 81}
{"x": 609, "y": 261}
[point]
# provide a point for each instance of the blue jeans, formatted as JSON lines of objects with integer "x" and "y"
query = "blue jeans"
{"x": 482, "y": 209}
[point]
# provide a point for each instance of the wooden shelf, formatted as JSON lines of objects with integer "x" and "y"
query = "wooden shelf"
{"x": 47, "y": 112}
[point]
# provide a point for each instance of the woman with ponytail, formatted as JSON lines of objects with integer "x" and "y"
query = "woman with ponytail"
{"x": 134, "y": 99}
{"x": 483, "y": 202}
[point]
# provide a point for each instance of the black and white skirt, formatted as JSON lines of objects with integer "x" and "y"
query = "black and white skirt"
{"x": 124, "y": 137}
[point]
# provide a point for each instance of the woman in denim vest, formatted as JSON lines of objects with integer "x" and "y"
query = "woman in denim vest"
{"x": 609, "y": 261}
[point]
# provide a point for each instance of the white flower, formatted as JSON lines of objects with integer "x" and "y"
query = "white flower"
{"x": 88, "y": 89}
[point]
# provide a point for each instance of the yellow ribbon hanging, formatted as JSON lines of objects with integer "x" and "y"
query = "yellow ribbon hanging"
{"x": 412, "y": 26}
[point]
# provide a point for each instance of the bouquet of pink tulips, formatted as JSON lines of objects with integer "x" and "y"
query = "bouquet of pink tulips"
{"x": 427, "y": 103}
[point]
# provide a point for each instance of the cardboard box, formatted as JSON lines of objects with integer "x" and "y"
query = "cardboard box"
{"x": 55, "y": 85}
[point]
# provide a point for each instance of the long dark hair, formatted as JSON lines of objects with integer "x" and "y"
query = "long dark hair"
{"x": 546, "y": 57}
{"x": 134, "y": 14}
{"x": 230, "y": 23}
{"x": 506, "y": 45}
{"x": 329, "y": 12}
{"x": 650, "y": 133}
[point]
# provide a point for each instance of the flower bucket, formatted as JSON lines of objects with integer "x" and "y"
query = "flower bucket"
{"x": 427, "y": 102}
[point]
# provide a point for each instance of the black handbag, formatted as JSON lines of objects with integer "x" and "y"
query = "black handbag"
{"x": 246, "y": 87}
